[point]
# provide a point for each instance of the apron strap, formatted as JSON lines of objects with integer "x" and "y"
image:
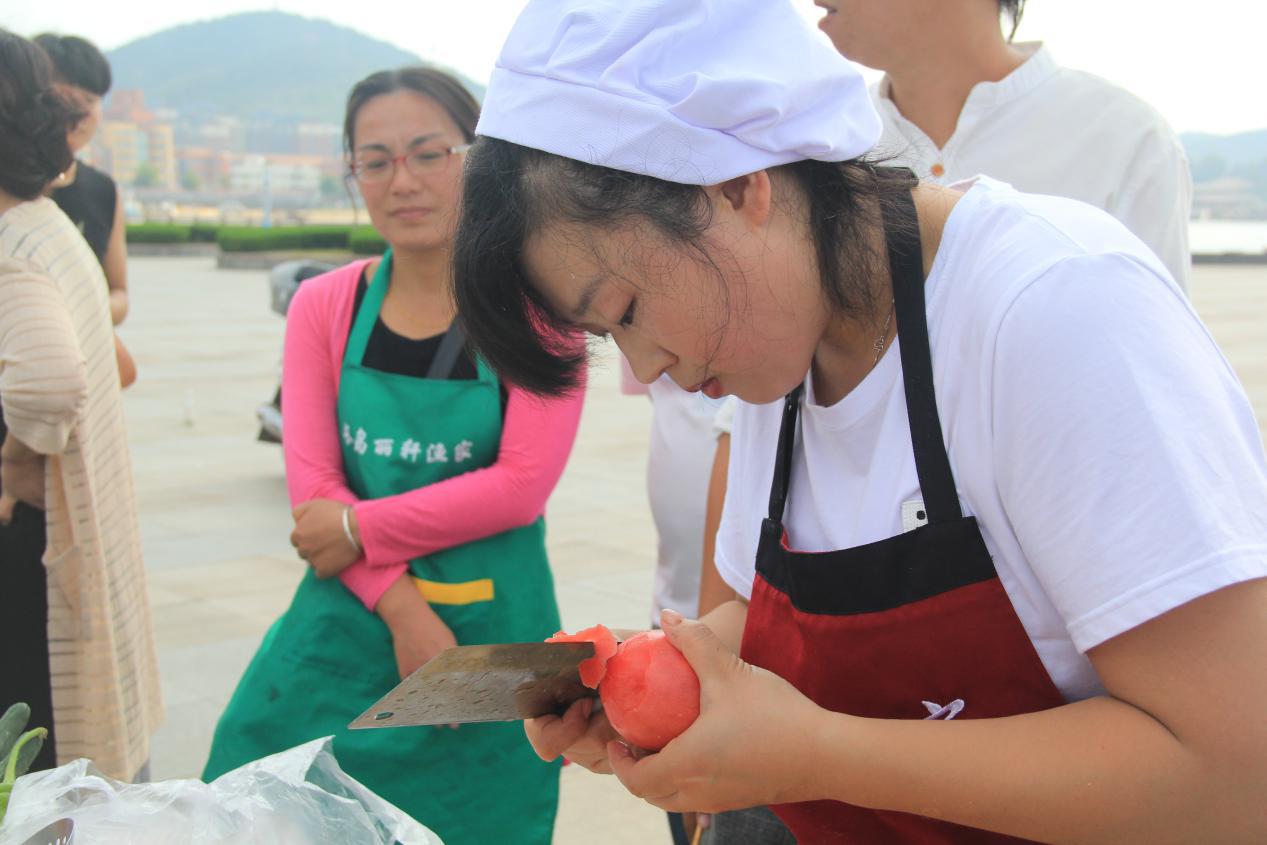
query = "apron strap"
{"x": 446, "y": 356}
{"x": 783, "y": 456}
{"x": 364, "y": 319}
{"x": 932, "y": 464}
{"x": 906, "y": 265}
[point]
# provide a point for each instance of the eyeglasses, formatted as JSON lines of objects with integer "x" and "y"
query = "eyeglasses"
{"x": 373, "y": 169}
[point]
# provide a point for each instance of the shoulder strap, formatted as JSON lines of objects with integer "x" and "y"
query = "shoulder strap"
{"x": 446, "y": 357}
{"x": 782, "y": 478}
{"x": 906, "y": 264}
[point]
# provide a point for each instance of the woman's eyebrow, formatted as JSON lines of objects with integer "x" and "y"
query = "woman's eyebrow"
{"x": 587, "y": 296}
{"x": 421, "y": 139}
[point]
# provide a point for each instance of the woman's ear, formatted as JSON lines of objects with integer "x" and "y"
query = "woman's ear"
{"x": 747, "y": 196}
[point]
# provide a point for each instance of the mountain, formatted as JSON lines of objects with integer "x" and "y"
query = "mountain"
{"x": 1241, "y": 148}
{"x": 256, "y": 66}
{"x": 1243, "y": 155}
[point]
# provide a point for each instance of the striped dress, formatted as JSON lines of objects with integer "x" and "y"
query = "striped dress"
{"x": 59, "y": 385}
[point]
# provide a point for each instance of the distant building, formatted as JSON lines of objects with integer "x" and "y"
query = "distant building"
{"x": 222, "y": 134}
{"x": 319, "y": 139}
{"x": 134, "y": 146}
{"x": 204, "y": 169}
{"x": 285, "y": 174}
{"x": 123, "y": 150}
{"x": 1227, "y": 199}
{"x": 196, "y": 152}
{"x": 161, "y": 151}
{"x": 271, "y": 137}
{"x": 127, "y": 105}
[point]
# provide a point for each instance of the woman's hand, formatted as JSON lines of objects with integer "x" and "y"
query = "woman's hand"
{"x": 418, "y": 634}
{"x": 320, "y": 539}
{"x": 7, "y": 504}
{"x": 127, "y": 364}
{"x": 22, "y": 481}
{"x": 580, "y": 734}
{"x": 754, "y": 742}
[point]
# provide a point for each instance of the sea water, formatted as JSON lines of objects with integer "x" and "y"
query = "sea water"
{"x": 1214, "y": 237}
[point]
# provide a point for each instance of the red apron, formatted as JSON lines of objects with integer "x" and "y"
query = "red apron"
{"x": 880, "y": 629}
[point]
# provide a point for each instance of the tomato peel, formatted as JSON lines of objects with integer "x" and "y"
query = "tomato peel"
{"x": 592, "y": 668}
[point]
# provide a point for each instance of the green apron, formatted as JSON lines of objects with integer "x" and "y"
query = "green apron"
{"x": 327, "y": 659}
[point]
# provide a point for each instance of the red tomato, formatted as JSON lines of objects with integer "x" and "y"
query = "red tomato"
{"x": 649, "y": 692}
{"x": 604, "y": 641}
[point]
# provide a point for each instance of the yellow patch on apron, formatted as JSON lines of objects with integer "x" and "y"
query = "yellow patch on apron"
{"x": 466, "y": 592}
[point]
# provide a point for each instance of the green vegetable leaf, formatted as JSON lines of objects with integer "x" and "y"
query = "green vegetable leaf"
{"x": 28, "y": 749}
{"x": 23, "y": 753}
{"x": 12, "y": 723}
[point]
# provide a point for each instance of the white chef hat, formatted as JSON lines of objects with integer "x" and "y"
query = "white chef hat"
{"x": 690, "y": 91}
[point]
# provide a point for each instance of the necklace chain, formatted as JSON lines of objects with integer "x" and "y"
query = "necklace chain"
{"x": 878, "y": 346}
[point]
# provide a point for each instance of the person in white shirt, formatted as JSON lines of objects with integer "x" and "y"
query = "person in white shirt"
{"x": 959, "y": 99}
{"x": 679, "y": 465}
{"x": 998, "y": 521}
{"x": 679, "y": 459}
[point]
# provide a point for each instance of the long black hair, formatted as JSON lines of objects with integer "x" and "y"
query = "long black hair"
{"x": 511, "y": 192}
{"x": 34, "y": 120}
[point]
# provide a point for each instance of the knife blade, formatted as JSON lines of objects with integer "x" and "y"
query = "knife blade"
{"x": 484, "y": 683}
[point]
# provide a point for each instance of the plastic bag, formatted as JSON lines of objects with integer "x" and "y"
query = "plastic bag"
{"x": 297, "y": 797}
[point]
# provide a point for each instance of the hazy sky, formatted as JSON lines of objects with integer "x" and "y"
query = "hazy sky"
{"x": 1202, "y": 64}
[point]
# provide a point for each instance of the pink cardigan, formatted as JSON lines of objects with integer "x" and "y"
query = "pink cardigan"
{"x": 537, "y": 437}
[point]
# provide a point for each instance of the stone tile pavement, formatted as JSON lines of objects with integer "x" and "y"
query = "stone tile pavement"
{"x": 215, "y": 518}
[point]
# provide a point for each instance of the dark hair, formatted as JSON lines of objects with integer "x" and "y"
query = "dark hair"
{"x": 450, "y": 94}
{"x": 34, "y": 120}
{"x": 1014, "y": 9}
{"x": 77, "y": 61}
{"x": 511, "y": 192}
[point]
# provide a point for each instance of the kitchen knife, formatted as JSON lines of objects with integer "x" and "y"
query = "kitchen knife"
{"x": 485, "y": 683}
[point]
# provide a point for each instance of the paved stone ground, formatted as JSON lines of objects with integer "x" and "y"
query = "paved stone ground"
{"x": 215, "y": 518}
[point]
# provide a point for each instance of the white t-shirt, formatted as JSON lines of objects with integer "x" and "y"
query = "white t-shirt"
{"x": 1094, "y": 429}
{"x": 679, "y": 464}
{"x": 1047, "y": 129}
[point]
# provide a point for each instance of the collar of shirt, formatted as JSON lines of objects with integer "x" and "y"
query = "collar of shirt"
{"x": 982, "y": 99}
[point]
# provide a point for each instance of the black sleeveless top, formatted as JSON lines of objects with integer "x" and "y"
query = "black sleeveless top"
{"x": 90, "y": 202}
{"x": 389, "y": 352}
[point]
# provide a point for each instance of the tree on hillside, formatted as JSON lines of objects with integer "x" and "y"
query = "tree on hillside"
{"x": 146, "y": 176}
{"x": 330, "y": 187}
